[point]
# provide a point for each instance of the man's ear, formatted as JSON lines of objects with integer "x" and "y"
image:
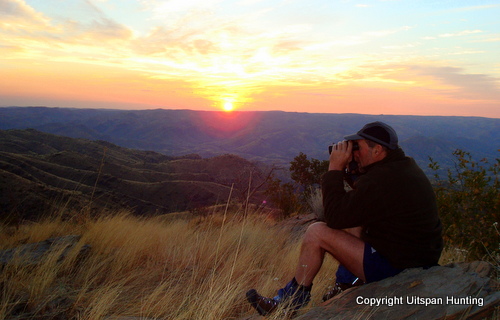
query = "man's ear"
{"x": 379, "y": 151}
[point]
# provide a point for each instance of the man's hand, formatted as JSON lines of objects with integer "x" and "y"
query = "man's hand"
{"x": 340, "y": 156}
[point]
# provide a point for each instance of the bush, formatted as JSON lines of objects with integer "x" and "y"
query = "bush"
{"x": 469, "y": 202}
{"x": 284, "y": 196}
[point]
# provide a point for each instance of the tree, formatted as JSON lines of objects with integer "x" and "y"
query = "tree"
{"x": 307, "y": 174}
{"x": 294, "y": 196}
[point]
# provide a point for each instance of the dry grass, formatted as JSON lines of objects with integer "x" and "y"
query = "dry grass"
{"x": 197, "y": 268}
{"x": 187, "y": 268}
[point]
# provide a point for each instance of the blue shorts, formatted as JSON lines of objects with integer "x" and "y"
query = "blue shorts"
{"x": 375, "y": 266}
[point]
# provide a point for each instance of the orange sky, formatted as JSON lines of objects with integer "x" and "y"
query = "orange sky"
{"x": 376, "y": 57}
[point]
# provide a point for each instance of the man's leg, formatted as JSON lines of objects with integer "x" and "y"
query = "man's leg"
{"x": 345, "y": 246}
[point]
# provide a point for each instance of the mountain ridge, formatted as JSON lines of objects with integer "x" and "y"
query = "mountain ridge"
{"x": 273, "y": 137}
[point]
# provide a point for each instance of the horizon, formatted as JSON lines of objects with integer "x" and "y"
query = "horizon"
{"x": 224, "y": 112}
{"x": 371, "y": 57}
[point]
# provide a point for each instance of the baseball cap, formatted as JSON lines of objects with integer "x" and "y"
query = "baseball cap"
{"x": 378, "y": 132}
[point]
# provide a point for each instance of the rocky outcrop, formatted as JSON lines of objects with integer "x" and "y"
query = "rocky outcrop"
{"x": 455, "y": 291}
{"x": 34, "y": 253}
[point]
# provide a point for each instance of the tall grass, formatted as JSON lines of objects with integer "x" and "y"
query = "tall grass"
{"x": 198, "y": 268}
{"x": 157, "y": 267}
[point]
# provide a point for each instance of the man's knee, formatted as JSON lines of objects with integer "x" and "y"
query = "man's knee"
{"x": 317, "y": 231}
{"x": 356, "y": 231}
{"x": 316, "y": 227}
{"x": 321, "y": 233}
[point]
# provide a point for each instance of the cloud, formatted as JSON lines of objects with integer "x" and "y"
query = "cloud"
{"x": 190, "y": 41}
{"x": 12, "y": 10}
{"x": 221, "y": 46}
{"x": 384, "y": 33}
{"x": 474, "y": 8}
{"x": 452, "y": 83}
{"x": 168, "y": 8}
{"x": 249, "y": 2}
{"x": 17, "y": 15}
{"x": 88, "y": 35}
{"x": 467, "y": 86}
{"x": 245, "y": 46}
{"x": 99, "y": 29}
{"x": 93, "y": 25}
{"x": 459, "y": 34}
{"x": 493, "y": 38}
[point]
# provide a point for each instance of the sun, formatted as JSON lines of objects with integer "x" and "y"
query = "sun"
{"x": 228, "y": 106}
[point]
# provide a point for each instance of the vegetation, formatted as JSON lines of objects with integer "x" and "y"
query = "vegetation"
{"x": 301, "y": 194}
{"x": 469, "y": 206}
{"x": 40, "y": 170}
{"x": 188, "y": 265}
{"x": 468, "y": 201}
{"x": 285, "y": 197}
{"x": 168, "y": 267}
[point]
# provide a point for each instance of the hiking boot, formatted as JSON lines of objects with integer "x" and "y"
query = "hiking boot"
{"x": 263, "y": 305}
{"x": 340, "y": 287}
{"x": 293, "y": 297}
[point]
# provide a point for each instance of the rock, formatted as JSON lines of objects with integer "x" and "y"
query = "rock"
{"x": 33, "y": 253}
{"x": 128, "y": 318}
{"x": 455, "y": 291}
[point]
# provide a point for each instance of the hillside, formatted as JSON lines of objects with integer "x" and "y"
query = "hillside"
{"x": 124, "y": 267}
{"x": 273, "y": 137}
{"x": 41, "y": 171}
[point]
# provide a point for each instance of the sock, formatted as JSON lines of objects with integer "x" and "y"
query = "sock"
{"x": 301, "y": 287}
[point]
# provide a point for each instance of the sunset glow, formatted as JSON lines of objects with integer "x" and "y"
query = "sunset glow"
{"x": 228, "y": 106}
{"x": 326, "y": 56}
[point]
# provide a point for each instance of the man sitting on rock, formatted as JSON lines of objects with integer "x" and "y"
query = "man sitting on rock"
{"x": 388, "y": 222}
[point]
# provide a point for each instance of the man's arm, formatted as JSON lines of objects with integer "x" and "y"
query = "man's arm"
{"x": 347, "y": 209}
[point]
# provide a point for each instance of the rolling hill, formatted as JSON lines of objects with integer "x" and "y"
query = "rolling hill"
{"x": 159, "y": 161}
{"x": 42, "y": 173}
{"x": 272, "y": 137}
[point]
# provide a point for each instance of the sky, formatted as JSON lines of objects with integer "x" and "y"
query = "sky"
{"x": 413, "y": 57}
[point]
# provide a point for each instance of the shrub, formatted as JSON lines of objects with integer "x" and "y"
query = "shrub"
{"x": 469, "y": 202}
{"x": 284, "y": 196}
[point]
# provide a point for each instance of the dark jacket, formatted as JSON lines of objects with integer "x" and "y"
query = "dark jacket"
{"x": 395, "y": 204}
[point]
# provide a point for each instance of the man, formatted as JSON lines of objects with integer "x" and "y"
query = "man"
{"x": 388, "y": 222}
